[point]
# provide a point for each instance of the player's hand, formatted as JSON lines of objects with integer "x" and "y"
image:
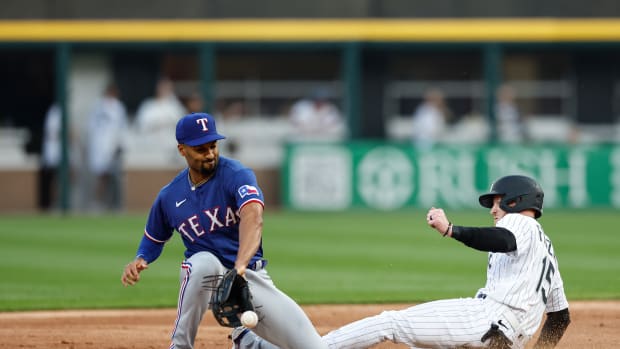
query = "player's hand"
{"x": 131, "y": 274}
{"x": 241, "y": 270}
{"x": 436, "y": 219}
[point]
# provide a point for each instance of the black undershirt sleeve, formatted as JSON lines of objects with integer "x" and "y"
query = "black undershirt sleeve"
{"x": 489, "y": 239}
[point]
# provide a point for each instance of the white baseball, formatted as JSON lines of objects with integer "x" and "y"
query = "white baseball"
{"x": 249, "y": 319}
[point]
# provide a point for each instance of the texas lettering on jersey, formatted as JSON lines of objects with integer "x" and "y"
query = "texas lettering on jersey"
{"x": 191, "y": 227}
{"x": 216, "y": 217}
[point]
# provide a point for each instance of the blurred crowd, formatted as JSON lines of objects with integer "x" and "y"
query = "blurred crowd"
{"x": 98, "y": 149}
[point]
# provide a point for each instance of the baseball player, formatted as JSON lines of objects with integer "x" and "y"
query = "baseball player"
{"x": 216, "y": 206}
{"x": 523, "y": 282}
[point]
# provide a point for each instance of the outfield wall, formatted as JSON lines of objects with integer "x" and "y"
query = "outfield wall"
{"x": 392, "y": 176}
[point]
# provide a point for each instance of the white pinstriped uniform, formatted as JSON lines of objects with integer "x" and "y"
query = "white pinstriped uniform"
{"x": 520, "y": 286}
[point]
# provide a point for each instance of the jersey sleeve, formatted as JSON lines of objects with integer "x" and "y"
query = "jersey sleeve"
{"x": 156, "y": 233}
{"x": 149, "y": 250}
{"x": 519, "y": 226}
{"x": 557, "y": 298}
{"x": 245, "y": 189}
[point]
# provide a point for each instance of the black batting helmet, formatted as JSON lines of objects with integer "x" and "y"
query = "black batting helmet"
{"x": 521, "y": 190}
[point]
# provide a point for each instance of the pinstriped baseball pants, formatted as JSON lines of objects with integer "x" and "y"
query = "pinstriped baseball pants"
{"x": 450, "y": 323}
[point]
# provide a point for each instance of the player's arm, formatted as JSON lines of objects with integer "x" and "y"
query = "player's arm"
{"x": 553, "y": 329}
{"x": 148, "y": 251}
{"x": 156, "y": 233}
{"x": 490, "y": 239}
{"x": 250, "y": 233}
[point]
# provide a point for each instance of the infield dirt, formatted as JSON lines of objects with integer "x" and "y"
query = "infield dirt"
{"x": 594, "y": 325}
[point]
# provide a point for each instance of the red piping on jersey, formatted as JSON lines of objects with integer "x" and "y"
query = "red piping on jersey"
{"x": 247, "y": 202}
{"x": 153, "y": 239}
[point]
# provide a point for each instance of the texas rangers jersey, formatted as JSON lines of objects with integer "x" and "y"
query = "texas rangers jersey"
{"x": 205, "y": 216}
{"x": 528, "y": 279}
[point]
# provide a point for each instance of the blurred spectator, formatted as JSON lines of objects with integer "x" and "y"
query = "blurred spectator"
{"x": 157, "y": 116}
{"x": 50, "y": 158}
{"x": 107, "y": 127}
{"x": 233, "y": 110}
{"x": 430, "y": 119}
{"x": 511, "y": 127}
{"x": 195, "y": 104}
{"x": 316, "y": 117}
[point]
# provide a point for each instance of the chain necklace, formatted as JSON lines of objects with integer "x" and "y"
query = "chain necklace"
{"x": 196, "y": 185}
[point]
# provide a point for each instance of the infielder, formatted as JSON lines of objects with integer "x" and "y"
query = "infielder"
{"x": 216, "y": 206}
{"x": 523, "y": 282}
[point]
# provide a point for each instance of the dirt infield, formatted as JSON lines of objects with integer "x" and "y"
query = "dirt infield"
{"x": 594, "y": 325}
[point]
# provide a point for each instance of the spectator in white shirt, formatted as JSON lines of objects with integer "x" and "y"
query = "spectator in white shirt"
{"x": 107, "y": 129}
{"x": 317, "y": 117}
{"x": 430, "y": 120}
{"x": 157, "y": 116}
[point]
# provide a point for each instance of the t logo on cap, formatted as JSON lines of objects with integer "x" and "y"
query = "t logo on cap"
{"x": 196, "y": 129}
{"x": 204, "y": 122}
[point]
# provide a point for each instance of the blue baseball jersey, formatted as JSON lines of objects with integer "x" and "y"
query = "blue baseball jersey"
{"x": 206, "y": 216}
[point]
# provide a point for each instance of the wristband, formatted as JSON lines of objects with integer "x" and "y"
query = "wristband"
{"x": 448, "y": 229}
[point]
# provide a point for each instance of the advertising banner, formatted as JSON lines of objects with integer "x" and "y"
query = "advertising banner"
{"x": 390, "y": 176}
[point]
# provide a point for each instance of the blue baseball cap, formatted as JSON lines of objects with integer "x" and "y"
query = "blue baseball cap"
{"x": 197, "y": 129}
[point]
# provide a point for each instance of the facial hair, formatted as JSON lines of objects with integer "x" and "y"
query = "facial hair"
{"x": 207, "y": 172}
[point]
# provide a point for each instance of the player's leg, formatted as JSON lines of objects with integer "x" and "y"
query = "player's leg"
{"x": 194, "y": 296}
{"x": 281, "y": 320}
{"x": 439, "y": 324}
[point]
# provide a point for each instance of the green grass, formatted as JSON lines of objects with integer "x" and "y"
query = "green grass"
{"x": 54, "y": 262}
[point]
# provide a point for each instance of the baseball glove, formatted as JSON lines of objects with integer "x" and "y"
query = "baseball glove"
{"x": 230, "y": 299}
